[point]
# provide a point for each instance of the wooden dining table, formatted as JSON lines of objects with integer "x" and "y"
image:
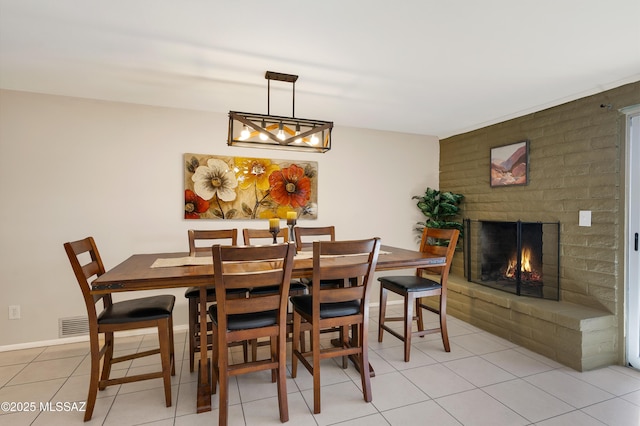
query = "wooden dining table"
{"x": 155, "y": 272}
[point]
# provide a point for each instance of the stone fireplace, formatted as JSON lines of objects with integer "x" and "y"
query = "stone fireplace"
{"x": 576, "y": 162}
{"x": 517, "y": 257}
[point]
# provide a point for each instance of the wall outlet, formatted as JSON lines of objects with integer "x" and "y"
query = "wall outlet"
{"x": 14, "y": 312}
{"x": 584, "y": 218}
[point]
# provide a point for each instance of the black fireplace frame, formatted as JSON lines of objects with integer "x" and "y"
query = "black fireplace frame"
{"x": 472, "y": 266}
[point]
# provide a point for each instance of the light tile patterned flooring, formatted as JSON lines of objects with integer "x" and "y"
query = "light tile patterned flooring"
{"x": 484, "y": 380}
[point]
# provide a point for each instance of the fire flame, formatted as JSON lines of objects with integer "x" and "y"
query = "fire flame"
{"x": 525, "y": 265}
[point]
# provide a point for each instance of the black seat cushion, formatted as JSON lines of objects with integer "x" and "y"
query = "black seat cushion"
{"x": 246, "y": 321}
{"x": 143, "y": 309}
{"x": 409, "y": 283}
{"x": 194, "y": 292}
{"x": 324, "y": 283}
{"x": 327, "y": 310}
{"x": 296, "y": 287}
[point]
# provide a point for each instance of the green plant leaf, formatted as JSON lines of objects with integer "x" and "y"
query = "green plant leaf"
{"x": 440, "y": 209}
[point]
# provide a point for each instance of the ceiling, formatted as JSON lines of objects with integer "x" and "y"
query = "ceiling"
{"x": 431, "y": 67}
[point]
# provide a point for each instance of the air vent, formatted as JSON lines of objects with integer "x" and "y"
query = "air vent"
{"x": 73, "y": 326}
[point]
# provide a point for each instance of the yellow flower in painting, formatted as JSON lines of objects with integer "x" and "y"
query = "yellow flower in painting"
{"x": 282, "y": 211}
{"x": 250, "y": 171}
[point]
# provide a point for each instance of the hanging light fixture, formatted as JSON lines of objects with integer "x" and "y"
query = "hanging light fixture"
{"x": 270, "y": 131}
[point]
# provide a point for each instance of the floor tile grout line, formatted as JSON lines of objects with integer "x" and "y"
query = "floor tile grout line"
{"x": 552, "y": 366}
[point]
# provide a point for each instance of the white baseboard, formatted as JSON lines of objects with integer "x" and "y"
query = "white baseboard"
{"x": 83, "y": 338}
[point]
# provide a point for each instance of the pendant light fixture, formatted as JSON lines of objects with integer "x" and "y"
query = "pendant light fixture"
{"x": 271, "y": 131}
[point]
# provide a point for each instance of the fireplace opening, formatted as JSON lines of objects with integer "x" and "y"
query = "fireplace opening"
{"x": 517, "y": 257}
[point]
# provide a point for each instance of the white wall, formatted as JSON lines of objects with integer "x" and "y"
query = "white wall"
{"x": 72, "y": 167}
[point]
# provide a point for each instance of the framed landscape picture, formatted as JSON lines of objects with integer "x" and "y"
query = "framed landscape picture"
{"x": 510, "y": 164}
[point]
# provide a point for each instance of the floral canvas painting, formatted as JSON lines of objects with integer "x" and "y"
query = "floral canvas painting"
{"x": 218, "y": 187}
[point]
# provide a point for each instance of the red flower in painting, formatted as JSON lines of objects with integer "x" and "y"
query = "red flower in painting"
{"x": 194, "y": 205}
{"x": 290, "y": 186}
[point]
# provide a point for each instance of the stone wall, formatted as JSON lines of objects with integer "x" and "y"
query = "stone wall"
{"x": 576, "y": 162}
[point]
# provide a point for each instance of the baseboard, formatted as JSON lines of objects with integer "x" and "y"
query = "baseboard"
{"x": 83, "y": 338}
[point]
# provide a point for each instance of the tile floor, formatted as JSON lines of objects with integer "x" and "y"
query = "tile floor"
{"x": 484, "y": 380}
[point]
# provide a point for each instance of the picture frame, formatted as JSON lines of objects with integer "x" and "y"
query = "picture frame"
{"x": 509, "y": 164}
{"x": 245, "y": 188}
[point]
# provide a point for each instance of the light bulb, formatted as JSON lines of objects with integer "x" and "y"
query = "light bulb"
{"x": 244, "y": 134}
{"x": 298, "y": 140}
{"x": 263, "y": 136}
{"x": 280, "y": 134}
{"x": 314, "y": 139}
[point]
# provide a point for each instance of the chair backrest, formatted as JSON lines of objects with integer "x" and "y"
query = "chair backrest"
{"x": 306, "y": 235}
{"x": 353, "y": 261}
{"x": 241, "y": 267}
{"x": 439, "y": 242}
{"x": 254, "y": 237}
{"x": 213, "y": 237}
{"x": 86, "y": 264}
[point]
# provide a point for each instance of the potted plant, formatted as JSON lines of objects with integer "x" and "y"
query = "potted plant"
{"x": 440, "y": 209}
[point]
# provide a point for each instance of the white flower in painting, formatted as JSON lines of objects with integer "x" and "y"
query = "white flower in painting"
{"x": 216, "y": 178}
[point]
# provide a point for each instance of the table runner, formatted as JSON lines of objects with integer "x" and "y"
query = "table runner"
{"x": 208, "y": 260}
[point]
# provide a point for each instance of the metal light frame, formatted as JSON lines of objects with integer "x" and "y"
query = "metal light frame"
{"x": 272, "y": 131}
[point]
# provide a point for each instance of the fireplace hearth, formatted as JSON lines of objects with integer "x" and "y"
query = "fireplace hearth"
{"x": 517, "y": 257}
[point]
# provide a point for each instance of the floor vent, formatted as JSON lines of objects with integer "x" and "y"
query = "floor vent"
{"x": 73, "y": 326}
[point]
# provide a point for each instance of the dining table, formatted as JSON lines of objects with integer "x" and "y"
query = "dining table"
{"x": 158, "y": 271}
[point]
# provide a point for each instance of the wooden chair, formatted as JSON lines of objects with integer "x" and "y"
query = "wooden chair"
{"x": 210, "y": 237}
{"x": 236, "y": 320}
{"x": 263, "y": 236}
{"x": 414, "y": 287}
{"x": 305, "y": 235}
{"x": 154, "y": 311}
{"x": 328, "y": 307}
{"x": 196, "y": 247}
{"x": 304, "y": 241}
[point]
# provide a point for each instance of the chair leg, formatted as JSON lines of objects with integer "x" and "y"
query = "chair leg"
{"x": 172, "y": 347}
{"x": 273, "y": 344}
{"x": 94, "y": 378}
{"x": 254, "y": 349}
{"x": 165, "y": 356}
{"x": 419, "y": 315}
{"x": 382, "y": 312}
{"x": 193, "y": 317}
{"x": 365, "y": 375}
{"x": 215, "y": 371}
{"x": 408, "y": 322}
{"x": 283, "y": 404}
{"x": 108, "y": 356}
{"x": 443, "y": 323}
{"x": 315, "y": 338}
{"x": 344, "y": 341}
{"x": 223, "y": 380}
{"x": 295, "y": 344}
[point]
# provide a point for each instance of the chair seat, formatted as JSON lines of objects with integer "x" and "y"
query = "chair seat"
{"x": 194, "y": 292}
{"x": 327, "y": 310}
{"x": 295, "y": 287}
{"x": 323, "y": 283}
{"x": 246, "y": 321}
{"x": 143, "y": 309}
{"x": 409, "y": 283}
